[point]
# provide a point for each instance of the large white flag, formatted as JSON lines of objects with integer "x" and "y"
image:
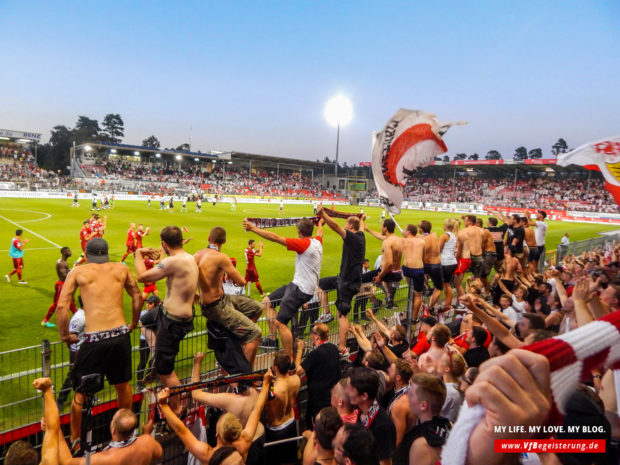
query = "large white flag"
{"x": 600, "y": 155}
{"x": 411, "y": 139}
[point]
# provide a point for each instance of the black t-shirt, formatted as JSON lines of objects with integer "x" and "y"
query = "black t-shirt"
{"x": 353, "y": 253}
{"x": 498, "y": 238}
{"x": 399, "y": 349}
{"x": 384, "y": 432}
{"x": 476, "y": 356}
{"x": 519, "y": 234}
{"x": 322, "y": 367}
{"x": 435, "y": 432}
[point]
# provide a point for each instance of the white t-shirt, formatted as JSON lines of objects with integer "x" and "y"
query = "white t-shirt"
{"x": 511, "y": 313}
{"x": 307, "y": 262}
{"x": 77, "y": 325}
{"x": 519, "y": 308}
{"x": 565, "y": 241}
{"x": 540, "y": 231}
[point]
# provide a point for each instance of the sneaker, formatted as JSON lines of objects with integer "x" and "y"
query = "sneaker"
{"x": 22, "y": 282}
{"x": 390, "y": 304}
{"x": 48, "y": 324}
{"x": 8, "y": 278}
{"x": 325, "y": 318}
{"x": 344, "y": 353}
{"x": 268, "y": 343}
{"x": 377, "y": 305}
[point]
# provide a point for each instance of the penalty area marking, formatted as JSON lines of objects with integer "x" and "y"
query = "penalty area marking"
{"x": 30, "y": 231}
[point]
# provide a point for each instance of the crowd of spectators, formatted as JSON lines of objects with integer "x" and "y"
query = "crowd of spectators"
{"x": 396, "y": 402}
{"x": 547, "y": 193}
{"x": 18, "y": 164}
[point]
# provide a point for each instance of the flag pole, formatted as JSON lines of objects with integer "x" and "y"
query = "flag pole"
{"x": 394, "y": 219}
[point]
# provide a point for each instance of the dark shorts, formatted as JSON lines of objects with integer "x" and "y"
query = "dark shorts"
{"x": 149, "y": 319}
{"x": 434, "y": 272}
{"x": 110, "y": 357}
{"x": 227, "y": 349}
{"x": 256, "y": 454}
{"x": 534, "y": 254}
{"x": 393, "y": 277}
{"x": 235, "y": 313}
{"x": 170, "y": 333}
{"x": 282, "y": 453}
{"x": 447, "y": 272}
{"x": 476, "y": 266}
{"x": 292, "y": 299}
{"x": 276, "y": 296}
{"x": 488, "y": 260}
{"x": 417, "y": 277}
{"x": 345, "y": 292}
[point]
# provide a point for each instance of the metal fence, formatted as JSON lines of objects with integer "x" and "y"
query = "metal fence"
{"x": 21, "y": 405}
{"x": 577, "y": 248}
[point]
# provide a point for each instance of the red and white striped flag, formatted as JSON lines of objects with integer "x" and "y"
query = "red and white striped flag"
{"x": 601, "y": 155}
{"x": 410, "y": 140}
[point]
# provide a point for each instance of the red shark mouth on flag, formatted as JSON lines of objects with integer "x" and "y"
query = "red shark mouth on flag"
{"x": 401, "y": 146}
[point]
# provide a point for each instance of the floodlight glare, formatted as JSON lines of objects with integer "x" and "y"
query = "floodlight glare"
{"x": 113, "y": 151}
{"x": 136, "y": 153}
{"x": 158, "y": 155}
{"x": 88, "y": 148}
{"x": 178, "y": 157}
{"x": 196, "y": 159}
{"x": 339, "y": 111}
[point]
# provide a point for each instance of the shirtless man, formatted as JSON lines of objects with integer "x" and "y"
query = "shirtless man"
{"x": 125, "y": 448}
{"x": 432, "y": 260}
{"x": 106, "y": 346}
{"x": 429, "y": 360}
{"x": 489, "y": 255}
{"x": 228, "y": 427}
{"x": 413, "y": 249}
{"x": 530, "y": 253}
{"x": 175, "y": 315}
{"x": 62, "y": 269}
{"x": 400, "y": 373}
{"x": 392, "y": 251}
{"x": 240, "y": 405}
{"x": 280, "y": 414}
{"x": 468, "y": 252}
{"x": 511, "y": 266}
{"x": 237, "y": 313}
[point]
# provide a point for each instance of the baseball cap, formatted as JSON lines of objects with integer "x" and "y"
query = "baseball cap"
{"x": 97, "y": 251}
{"x": 429, "y": 320}
{"x": 153, "y": 299}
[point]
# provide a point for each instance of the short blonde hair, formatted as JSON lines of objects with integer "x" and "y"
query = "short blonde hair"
{"x": 228, "y": 428}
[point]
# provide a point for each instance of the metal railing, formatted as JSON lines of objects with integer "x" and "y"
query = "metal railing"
{"x": 578, "y": 247}
{"x": 21, "y": 405}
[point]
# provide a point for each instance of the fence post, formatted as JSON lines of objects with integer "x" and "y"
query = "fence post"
{"x": 46, "y": 352}
{"x": 409, "y": 308}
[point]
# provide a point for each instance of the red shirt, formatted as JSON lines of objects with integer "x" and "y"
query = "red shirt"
{"x": 422, "y": 345}
{"x": 139, "y": 234}
{"x": 130, "y": 237}
{"x": 249, "y": 258}
{"x": 84, "y": 234}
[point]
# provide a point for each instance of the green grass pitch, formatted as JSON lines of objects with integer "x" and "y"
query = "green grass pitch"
{"x": 55, "y": 222}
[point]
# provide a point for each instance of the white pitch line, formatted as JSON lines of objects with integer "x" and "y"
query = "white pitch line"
{"x": 46, "y": 216}
{"x": 35, "y": 248}
{"x": 31, "y": 232}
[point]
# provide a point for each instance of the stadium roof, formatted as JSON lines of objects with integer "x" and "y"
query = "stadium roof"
{"x": 20, "y": 136}
{"x": 270, "y": 159}
{"x": 141, "y": 148}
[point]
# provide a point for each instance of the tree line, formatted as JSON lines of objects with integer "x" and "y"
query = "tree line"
{"x": 521, "y": 153}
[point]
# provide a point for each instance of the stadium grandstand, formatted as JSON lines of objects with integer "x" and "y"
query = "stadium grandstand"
{"x": 124, "y": 168}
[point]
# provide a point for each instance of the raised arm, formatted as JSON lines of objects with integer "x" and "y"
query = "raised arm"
{"x": 496, "y": 328}
{"x": 201, "y": 450}
{"x": 379, "y": 236}
{"x": 136, "y": 299}
{"x": 330, "y": 222}
{"x": 231, "y": 271}
{"x": 250, "y": 427}
{"x": 270, "y": 236}
{"x": 370, "y": 314}
{"x": 159, "y": 271}
{"x": 504, "y": 289}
